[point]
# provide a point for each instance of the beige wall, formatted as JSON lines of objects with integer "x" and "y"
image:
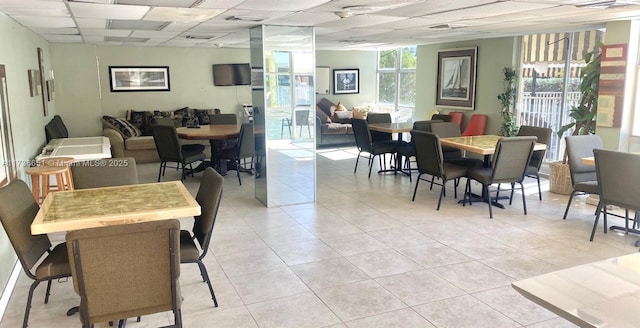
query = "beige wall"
{"x": 365, "y": 61}
{"x": 18, "y": 54}
{"x": 493, "y": 56}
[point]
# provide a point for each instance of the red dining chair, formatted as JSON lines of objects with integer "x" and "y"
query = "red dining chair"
{"x": 457, "y": 117}
{"x": 476, "y": 126}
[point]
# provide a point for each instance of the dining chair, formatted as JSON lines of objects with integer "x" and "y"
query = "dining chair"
{"x": 476, "y": 126}
{"x": 238, "y": 154}
{"x": 544, "y": 136}
{"x": 364, "y": 143}
{"x": 584, "y": 179}
{"x": 457, "y": 117}
{"x": 442, "y": 117}
{"x": 373, "y": 118}
{"x": 508, "y": 165}
{"x": 208, "y": 197}
{"x": 408, "y": 150}
{"x": 431, "y": 161}
{"x": 301, "y": 119}
{"x": 223, "y": 119}
{"x": 104, "y": 173}
{"x": 170, "y": 150}
{"x": 616, "y": 188}
{"x": 127, "y": 270}
{"x": 38, "y": 259}
{"x": 453, "y": 155}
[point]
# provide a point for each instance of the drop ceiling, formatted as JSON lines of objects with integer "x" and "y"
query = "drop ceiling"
{"x": 340, "y": 24}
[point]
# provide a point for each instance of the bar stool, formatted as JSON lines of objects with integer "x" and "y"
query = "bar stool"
{"x": 41, "y": 177}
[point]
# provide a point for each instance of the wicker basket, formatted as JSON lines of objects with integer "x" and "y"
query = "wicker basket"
{"x": 560, "y": 178}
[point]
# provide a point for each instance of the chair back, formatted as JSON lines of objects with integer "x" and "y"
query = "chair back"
{"x": 424, "y": 126}
{"x": 510, "y": 159}
{"x": 617, "y": 183}
{"x": 373, "y": 118}
{"x": 442, "y": 117}
{"x": 457, "y": 117}
{"x": 428, "y": 153}
{"x": 246, "y": 141}
{"x": 543, "y": 135}
{"x": 302, "y": 117}
{"x": 18, "y": 208}
{"x": 579, "y": 147}
{"x": 61, "y": 127}
{"x": 223, "y": 119}
{"x": 167, "y": 121}
{"x": 104, "y": 173}
{"x": 446, "y": 129}
{"x": 477, "y": 125}
{"x": 362, "y": 135}
{"x": 208, "y": 197}
{"x": 125, "y": 271}
{"x": 166, "y": 139}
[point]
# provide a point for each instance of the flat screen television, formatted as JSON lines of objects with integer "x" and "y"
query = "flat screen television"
{"x": 231, "y": 74}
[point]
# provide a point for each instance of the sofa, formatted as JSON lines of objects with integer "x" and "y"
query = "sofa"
{"x": 131, "y": 136}
{"x": 333, "y": 124}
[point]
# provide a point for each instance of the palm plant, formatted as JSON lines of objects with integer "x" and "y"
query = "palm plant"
{"x": 508, "y": 127}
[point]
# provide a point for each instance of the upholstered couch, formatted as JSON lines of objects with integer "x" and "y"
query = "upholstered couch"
{"x": 332, "y": 128}
{"x": 131, "y": 136}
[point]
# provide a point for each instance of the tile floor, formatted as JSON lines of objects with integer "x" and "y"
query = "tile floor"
{"x": 365, "y": 255}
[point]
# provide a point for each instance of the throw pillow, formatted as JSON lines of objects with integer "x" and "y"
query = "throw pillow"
{"x": 360, "y": 112}
{"x": 141, "y": 120}
{"x": 340, "y": 107}
{"x": 324, "y": 118}
{"x": 343, "y": 117}
{"x": 126, "y": 129}
{"x": 202, "y": 115}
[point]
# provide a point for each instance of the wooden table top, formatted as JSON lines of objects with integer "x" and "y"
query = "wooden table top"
{"x": 209, "y": 132}
{"x": 391, "y": 127}
{"x": 588, "y": 160}
{"x": 98, "y": 207}
{"x": 599, "y": 294}
{"x": 483, "y": 145}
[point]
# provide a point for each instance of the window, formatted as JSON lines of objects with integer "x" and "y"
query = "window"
{"x": 397, "y": 77}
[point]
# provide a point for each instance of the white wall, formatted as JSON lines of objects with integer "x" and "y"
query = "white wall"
{"x": 366, "y": 61}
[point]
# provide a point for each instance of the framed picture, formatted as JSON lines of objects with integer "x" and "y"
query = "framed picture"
{"x": 346, "y": 81}
{"x": 51, "y": 92}
{"x": 41, "y": 81}
{"x": 456, "y": 85}
{"x": 34, "y": 82}
{"x": 139, "y": 78}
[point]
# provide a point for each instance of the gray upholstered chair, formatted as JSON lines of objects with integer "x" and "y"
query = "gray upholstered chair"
{"x": 223, "y": 119}
{"x": 583, "y": 176}
{"x": 544, "y": 136}
{"x": 238, "y": 154}
{"x": 373, "y": 118}
{"x": 453, "y": 155}
{"x": 127, "y": 270}
{"x": 169, "y": 150}
{"x": 39, "y": 260}
{"x": 365, "y": 144}
{"x": 614, "y": 187}
{"x": 408, "y": 150}
{"x": 208, "y": 196}
{"x": 55, "y": 129}
{"x": 442, "y": 117}
{"x": 508, "y": 165}
{"x": 431, "y": 161}
{"x": 104, "y": 173}
{"x": 302, "y": 119}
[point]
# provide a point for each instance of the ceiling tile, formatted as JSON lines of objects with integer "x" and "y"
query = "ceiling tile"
{"x": 304, "y": 19}
{"x": 263, "y": 15}
{"x": 94, "y": 10}
{"x": 178, "y": 27}
{"x": 361, "y": 21}
{"x": 158, "y": 3}
{"x": 104, "y": 32}
{"x": 433, "y": 6}
{"x": 34, "y": 8}
{"x": 279, "y": 5}
{"x": 129, "y": 24}
{"x": 64, "y": 30}
{"x": 91, "y": 22}
{"x": 62, "y": 38}
{"x": 154, "y": 34}
{"x": 124, "y": 39}
{"x": 183, "y": 15}
{"x": 493, "y": 9}
{"x": 40, "y": 21}
{"x": 221, "y": 4}
{"x": 93, "y": 39}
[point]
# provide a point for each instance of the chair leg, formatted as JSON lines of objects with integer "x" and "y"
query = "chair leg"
{"x": 238, "y": 171}
{"x": 595, "y": 225}
{"x": 467, "y": 192}
{"x": 444, "y": 182}
{"x": 205, "y": 278}
{"x": 160, "y": 171}
{"x": 524, "y": 199}
{"x": 122, "y": 323}
{"x": 513, "y": 184}
{"x": 177, "y": 317}
{"x": 486, "y": 190}
{"x": 357, "y": 158}
{"x": 371, "y": 159}
{"x": 28, "y": 308}
{"x": 416, "y": 188}
{"x": 539, "y": 190}
{"x": 568, "y": 205}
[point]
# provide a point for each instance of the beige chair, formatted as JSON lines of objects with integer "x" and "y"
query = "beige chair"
{"x": 544, "y": 136}
{"x": 105, "y": 173}
{"x": 208, "y": 196}
{"x": 39, "y": 261}
{"x": 125, "y": 271}
{"x": 584, "y": 179}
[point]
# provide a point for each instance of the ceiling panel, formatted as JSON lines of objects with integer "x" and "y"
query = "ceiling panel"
{"x": 493, "y": 9}
{"x": 159, "y": 3}
{"x": 279, "y": 5}
{"x": 64, "y": 30}
{"x": 304, "y": 19}
{"x": 361, "y": 21}
{"x": 91, "y": 22}
{"x": 34, "y": 8}
{"x": 40, "y": 21}
{"x": 104, "y": 32}
{"x": 220, "y": 4}
{"x": 183, "y": 15}
{"x": 94, "y": 10}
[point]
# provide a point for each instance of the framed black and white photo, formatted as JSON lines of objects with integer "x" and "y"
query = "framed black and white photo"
{"x": 456, "y": 85}
{"x": 346, "y": 81}
{"x": 139, "y": 78}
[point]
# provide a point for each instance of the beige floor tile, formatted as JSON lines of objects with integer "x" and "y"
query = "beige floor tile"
{"x": 358, "y": 300}
{"x": 434, "y": 255}
{"x": 328, "y": 273}
{"x": 196, "y": 297}
{"x": 372, "y": 222}
{"x": 509, "y": 302}
{"x": 463, "y": 311}
{"x": 249, "y": 261}
{"x": 331, "y": 228}
{"x": 519, "y": 266}
{"x": 354, "y": 244}
{"x": 286, "y": 235}
{"x": 238, "y": 317}
{"x": 553, "y": 323}
{"x": 224, "y": 244}
{"x": 479, "y": 247}
{"x": 304, "y": 252}
{"x": 472, "y": 276}
{"x": 383, "y": 263}
{"x": 400, "y": 318}
{"x": 297, "y": 311}
{"x": 398, "y": 238}
{"x": 419, "y": 287}
{"x": 262, "y": 286}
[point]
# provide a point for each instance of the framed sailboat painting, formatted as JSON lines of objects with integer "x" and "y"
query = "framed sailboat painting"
{"x": 456, "y": 85}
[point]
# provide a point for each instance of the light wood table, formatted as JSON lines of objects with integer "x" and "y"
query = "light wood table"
{"x": 482, "y": 145}
{"x": 398, "y": 128}
{"x": 599, "y": 294}
{"x": 98, "y": 207}
{"x": 209, "y": 132}
{"x": 588, "y": 160}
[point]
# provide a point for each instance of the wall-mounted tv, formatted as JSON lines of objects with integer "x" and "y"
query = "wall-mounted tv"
{"x": 231, "y": 74}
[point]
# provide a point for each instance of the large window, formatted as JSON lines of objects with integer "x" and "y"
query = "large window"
{"x": 397, "y": 77}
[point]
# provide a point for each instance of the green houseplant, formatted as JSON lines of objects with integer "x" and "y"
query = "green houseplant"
{"x": 584, "y": 120}
{"x": 507, "y": 98}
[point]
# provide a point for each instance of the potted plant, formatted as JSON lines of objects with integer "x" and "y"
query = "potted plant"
{"x": 508, "y": 126}
{"x": 584, "y": 116}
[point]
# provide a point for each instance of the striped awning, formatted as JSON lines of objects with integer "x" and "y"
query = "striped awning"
{"x": 551, "y": 48}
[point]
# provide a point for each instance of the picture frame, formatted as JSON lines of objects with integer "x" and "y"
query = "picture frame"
{"x": 456, "y": 85}
{"x": 346, "y": 81}
{"x": 34, "y": 82}
{"x": 139, "y": 78}
{"x": 41, "y": 81}
{"x": 51, "y": 93}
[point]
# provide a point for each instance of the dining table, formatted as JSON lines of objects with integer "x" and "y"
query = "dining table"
{"x": 600, "y": 294}
{"x": 212, "y": 133}
{"x": 399, "y": 128}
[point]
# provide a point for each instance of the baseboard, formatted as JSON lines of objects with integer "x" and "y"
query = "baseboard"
{"x": 8, "y": 290}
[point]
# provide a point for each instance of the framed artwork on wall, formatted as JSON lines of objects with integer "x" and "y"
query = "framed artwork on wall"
{"x": 456, "y": 86}
{"x": 139, "y": 78}
{"x": 346, "y": 81}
